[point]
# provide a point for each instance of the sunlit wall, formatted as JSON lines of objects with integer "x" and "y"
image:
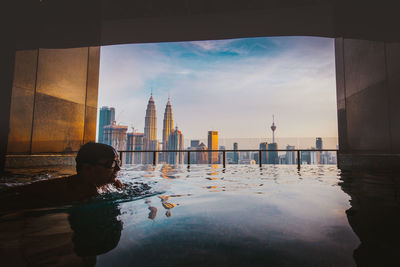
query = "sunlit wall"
{"x": 54, "y": 100}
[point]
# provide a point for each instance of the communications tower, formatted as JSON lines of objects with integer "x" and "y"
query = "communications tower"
{"x": 273, "y": 128}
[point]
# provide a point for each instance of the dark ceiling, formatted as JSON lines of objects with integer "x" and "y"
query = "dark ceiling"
{"x": 72, "y": 23}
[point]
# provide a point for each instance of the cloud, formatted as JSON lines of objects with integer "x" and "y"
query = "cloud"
{"x": 212, "y": 45}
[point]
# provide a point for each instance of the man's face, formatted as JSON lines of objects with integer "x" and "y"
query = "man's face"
{"x": 106, "y": 170}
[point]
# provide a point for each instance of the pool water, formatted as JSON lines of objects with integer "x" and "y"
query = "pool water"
{"x": 206, "y": 215}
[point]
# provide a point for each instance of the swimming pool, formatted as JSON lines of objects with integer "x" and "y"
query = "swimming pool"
{"x": 206, "y": 215}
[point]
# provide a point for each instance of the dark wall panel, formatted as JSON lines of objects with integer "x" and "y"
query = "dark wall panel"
{"x": 19, "y": 137}
{"x": 367, "y": 110}
{"x": 341, "y": 94}
{"x": 393, "y": 74}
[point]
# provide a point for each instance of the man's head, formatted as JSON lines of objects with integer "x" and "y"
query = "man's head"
{"x": 99, "y": 162}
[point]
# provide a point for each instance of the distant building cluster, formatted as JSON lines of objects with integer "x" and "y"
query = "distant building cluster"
{"x": 172, "y": 140}
{"x": 269, "y": 155}
{"x": 118, "y": 136}
{"x": 172, "y": 144}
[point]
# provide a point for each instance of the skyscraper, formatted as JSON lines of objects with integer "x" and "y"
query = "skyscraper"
{"x": 273, "y": 157}
{"x": 202, "y": 157}
{"x": 235, "y": 154}
{"x": 220, "y": 156}
{"x": 290, "y": 157}
{"x": 150, "y": 130}
{"x": 305, "y": 157}
{"x": 115, "y": 136}
{"x": 134, "y": 142}
{"x": 264, "y": 155}
{"x": 213, "y": 145}
{"x": 194, "y": 143}
{"x": 318, "y": 145}
{"x": 168, "y": 124}
{"x": 107, "y": 116}
{"x": 175, "y": 143}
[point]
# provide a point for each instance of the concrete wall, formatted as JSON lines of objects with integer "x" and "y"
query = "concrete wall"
{"x": 368, "y": 91}
{"x": 54, "y": 100}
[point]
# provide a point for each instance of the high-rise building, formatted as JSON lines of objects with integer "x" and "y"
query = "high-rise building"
{"x": 305, "y": 157}
{"x": 221, "y": 156}
{"x": 202, "y": 157}
{"x": 194, "y": 143}
{"x": 107, "y": 116}
{"x": 235, "y": 153}
{"x": 318, "y": 145}
{"x": 168, "y": 124}
{"x": 314, "y": 156}
{"x": 255, "y": 157}
{"x": 282, "y": 159}
{"x": 150, "y": 131}
{"x": 273, "y": 155}
{"x": 134, "y": 142}
{"x": 213, "y": 145}
{"x": 290, "y": 157}
{"x": 175, "y": 143}
{"x": 115, "y": 136}
{"x": 264, "y": 155}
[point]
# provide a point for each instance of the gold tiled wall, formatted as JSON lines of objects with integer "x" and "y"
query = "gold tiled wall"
{"x": 22, "y": 101}
{"x": 54, "y": 102}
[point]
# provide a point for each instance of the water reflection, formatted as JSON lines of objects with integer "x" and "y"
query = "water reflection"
{"x": 213, "y": 173}
{"x": 64, "y": 236}
{"x": 169, "y": 171}
{"x": 374, "y": 216}
{"x": 252, "y": 216}
{"x": 96, "y": 229}
{"x": 168, "y": 205}
{"x": 153, "y": 210}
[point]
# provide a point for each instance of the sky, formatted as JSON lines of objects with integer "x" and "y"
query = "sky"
{"x": 232, "y": 86}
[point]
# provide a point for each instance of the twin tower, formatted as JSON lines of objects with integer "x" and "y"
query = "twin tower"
{"x": 150, "y": 127}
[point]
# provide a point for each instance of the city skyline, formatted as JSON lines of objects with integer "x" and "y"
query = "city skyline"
{"x": 172, "y": 139}
{"x": 291, "y": 77}
{"x": 248, "y": 143}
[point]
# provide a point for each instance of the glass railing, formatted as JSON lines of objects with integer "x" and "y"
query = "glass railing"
{"x": 241, "y": 156}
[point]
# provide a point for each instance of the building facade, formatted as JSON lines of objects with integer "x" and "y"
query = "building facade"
{"x": 235, "y": 153}
{"x": 175, "y": 143}
{"x": 213, "y": 145}
{"x": 264, "y": 154}
{"x": 150, "y": 131}
{"x": 273, "y": 155}
{"x": 106, "y": 117}
{"x": 319, "y": 154}
{"x": 202, "y": 157}
{"x": 134, "y": 142}
{"x": 168, "y": 124}
{"x": 194, "y": 143}
{"x": 290, "y": 157}
{"x": 115, "y": 136}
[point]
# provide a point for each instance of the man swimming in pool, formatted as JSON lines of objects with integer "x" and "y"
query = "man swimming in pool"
{"x": 97, "y": 166}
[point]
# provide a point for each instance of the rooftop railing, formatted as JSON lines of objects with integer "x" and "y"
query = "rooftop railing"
{"x": 260, "y": 152}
